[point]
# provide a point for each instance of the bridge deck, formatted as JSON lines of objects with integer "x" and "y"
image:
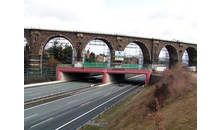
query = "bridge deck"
{"x": 105, "y": 72}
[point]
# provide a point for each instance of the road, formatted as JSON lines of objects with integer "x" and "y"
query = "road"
{"x": 74, "y": 111}
{"x": 44, "y": 90}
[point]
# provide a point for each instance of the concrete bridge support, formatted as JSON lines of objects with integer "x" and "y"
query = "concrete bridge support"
{"x": 147, "y": 78}
{"x": 105, "y": 78}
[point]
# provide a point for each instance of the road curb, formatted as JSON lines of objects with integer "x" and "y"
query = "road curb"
{"x": 39, "y": 84}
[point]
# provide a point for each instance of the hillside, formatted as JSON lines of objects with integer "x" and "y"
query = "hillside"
{"x": 178, "y": 102}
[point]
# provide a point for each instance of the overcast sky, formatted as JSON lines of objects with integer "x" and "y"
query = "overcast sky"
{"x": 163, "y": 19}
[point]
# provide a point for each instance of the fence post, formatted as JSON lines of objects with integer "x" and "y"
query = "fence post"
{"x": 34, "y": 76}
{"x": 46, "y": 74}
{"x": 56, "y": 73}
{"x": 51, "y": 72}
{"x": 27, "y": 75}
{"x": 40, "y": 73}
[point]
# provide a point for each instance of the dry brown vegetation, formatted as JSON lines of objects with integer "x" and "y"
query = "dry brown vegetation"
{"x": 158, "y": 118}
{"x": 177, "y": 96}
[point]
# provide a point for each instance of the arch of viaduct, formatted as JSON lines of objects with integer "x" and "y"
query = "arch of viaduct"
{"x": 38, "y": 38}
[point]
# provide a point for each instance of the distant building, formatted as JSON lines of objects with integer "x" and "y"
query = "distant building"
{"x": 101, "y": 59}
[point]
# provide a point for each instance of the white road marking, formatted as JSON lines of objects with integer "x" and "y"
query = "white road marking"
{"x": 41, "y": 122}
{"x": 62, "y": 114}
{"x": 73, "y": 101}
{"x": 107, "y": 94}
{"x": 92, "y": 110}
{"x": 30, "y": 116}
{"x": 85, "y": 103}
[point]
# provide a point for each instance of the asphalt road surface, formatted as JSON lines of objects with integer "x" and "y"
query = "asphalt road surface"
{"x": 44, "y": 90}
{"x": 72, "y": 112}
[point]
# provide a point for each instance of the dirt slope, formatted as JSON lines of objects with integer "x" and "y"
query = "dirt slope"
{"x": 179, "y": 113}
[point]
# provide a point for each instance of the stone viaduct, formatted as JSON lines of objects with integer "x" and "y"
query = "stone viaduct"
{"x": 38, "y": 38}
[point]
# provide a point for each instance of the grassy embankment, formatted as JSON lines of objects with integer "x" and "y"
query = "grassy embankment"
{"x": 177, "y": 95}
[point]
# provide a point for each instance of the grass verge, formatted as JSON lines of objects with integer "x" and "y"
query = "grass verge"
{"x": 178, "y": 108}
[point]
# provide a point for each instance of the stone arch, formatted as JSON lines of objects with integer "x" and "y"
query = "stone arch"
{"x": 145, "y": 50}
{"x": 110, "y": 46}
{"x": 192, "y": 53}
{"x": 173, "y": 55}
{"x": 47, "y": 40}
{"x": 54, "y": 36}
{"x": 108, "y": 43}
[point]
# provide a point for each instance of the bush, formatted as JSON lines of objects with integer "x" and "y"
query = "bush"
{"x": 151, "y": 105}
{"x": 161, "y": 93}
{"x": 174, "y": 83}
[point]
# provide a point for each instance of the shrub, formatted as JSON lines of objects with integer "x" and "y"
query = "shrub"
{"x": 151, "y": 104}
{"x": 174, "y": 83}
{"x": 158, "y": 118}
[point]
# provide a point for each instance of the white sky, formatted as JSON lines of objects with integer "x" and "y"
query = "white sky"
{"x": 163, "y": 19}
